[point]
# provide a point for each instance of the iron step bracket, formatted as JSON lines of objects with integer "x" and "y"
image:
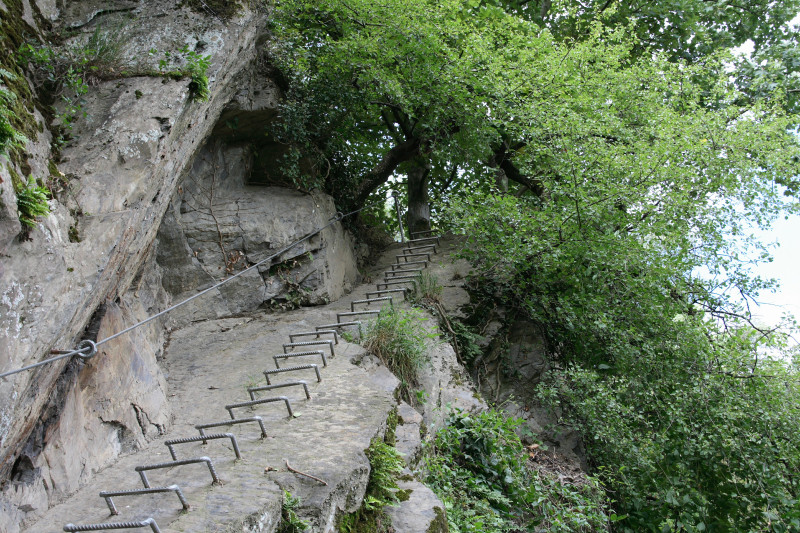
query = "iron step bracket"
{"x": 407, "y": 276}
{"x": 421, "y": 240}
{"x": 398, "y": 282}
{"x": 170, "y": 444}
{"x": 400, "y": 266}
{"x": 254, "y": 390}
{"x": 202, "y": 427}
{"x": 404, "y": 290}
{"x": 421, "y": 247}
{"x": 354, "y": 313}
{"x": 369, "y": 301}
{"x": 317, "y": 333}
{"x": 406, "y": 256}
{"x": 340, "y": 325}
{"x": 400, "y": 271}
{"x": 251, "y": 403}
{"x": 300, "y": 354}
{"x": 268, "y": 373}
{"x": 136, "y": 492}
{"x": 206, "y": 460}
{"x": 293, "y": 345}
{"x": 147, "y": 522}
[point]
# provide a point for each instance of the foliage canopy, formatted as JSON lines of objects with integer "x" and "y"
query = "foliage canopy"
{"x": 640, "y": 154}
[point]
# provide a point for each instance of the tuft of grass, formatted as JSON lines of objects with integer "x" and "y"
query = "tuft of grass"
{"x": 428, "y": 290}
{"x": 397, "y": 338}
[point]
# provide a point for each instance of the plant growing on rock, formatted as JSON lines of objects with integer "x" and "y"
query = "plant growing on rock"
{"x": 9, "y": 136}
{"x": 65, "y": 72}
{"x": 396, "y": 338}
{"x": 31, "y": 201}
{"x": 290, "y": 522}
{"x": 386, "y": 465}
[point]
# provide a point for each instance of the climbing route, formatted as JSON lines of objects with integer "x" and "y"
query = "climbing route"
{"x": 318, "y": 350}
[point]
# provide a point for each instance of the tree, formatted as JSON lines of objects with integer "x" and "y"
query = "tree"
{"x": 634, "y": 160}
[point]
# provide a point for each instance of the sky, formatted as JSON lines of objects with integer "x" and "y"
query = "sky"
{"x": 784, "y": 267}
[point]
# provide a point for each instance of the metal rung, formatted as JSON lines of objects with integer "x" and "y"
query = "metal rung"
{"x": 171, "y": 443}
{"x": 136, "y": 492}
{"x": 369, "y": 301}
{"x": 267, "y": 373}
{"x": 422, "y": 239}
{"x": 354, "y": 313}
{"x": 425, "y": 232}
{"x": 253, "y": 390}
{"x": 400, "y": 271}
{"x": 423, "y": 247}
{"x": 317, "y": 333}
{"x": 148, "y": 522}
{"x": 408, "y": 276}
{"x": 405, "y": 256}
{"x": 400, "y": 266}
{"x": 251, "y": 403}
{"x": 310, "y": 343}
{"x": 398, "y": 282}
{"x": 387, "y": 291}
{"x": 340, "y": 325}
{"x": 146, "y": 483}
{"x": 202, "y": 427}
{"x": 300, "y": 354}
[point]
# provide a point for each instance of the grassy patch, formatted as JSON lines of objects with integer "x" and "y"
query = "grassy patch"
{"x": 396, "y": 338}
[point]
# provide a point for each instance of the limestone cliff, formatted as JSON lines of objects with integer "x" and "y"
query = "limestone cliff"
{"x": 161, "y": 196}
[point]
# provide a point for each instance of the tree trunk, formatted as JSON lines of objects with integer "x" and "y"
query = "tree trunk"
{"x": 419, "y": 210}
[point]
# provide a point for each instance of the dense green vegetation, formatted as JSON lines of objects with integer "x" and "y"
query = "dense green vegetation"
{"x": 479, "y": 468}
{"x": 607, "y": 162}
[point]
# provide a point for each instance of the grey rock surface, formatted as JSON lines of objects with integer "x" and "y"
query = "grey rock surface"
{"x": 125, "y": 162}
{"x": 422, "y": 512}
{"x": 209, "y": 365}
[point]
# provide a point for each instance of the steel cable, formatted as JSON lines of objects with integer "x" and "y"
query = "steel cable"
{"x": 88, "y": 349}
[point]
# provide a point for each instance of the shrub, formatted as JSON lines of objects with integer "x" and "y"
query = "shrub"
{"x": 478, "y": 467}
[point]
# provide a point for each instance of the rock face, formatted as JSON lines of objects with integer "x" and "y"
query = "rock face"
{"x": 218, "y": 225}
{"x": 157, "y": 207}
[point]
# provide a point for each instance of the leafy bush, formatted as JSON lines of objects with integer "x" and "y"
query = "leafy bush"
{"x": 32, "y": 202}
{"x": 477, "y": 465}
{"x": 396, "y": 338}
{"x": 687, "y": 410}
